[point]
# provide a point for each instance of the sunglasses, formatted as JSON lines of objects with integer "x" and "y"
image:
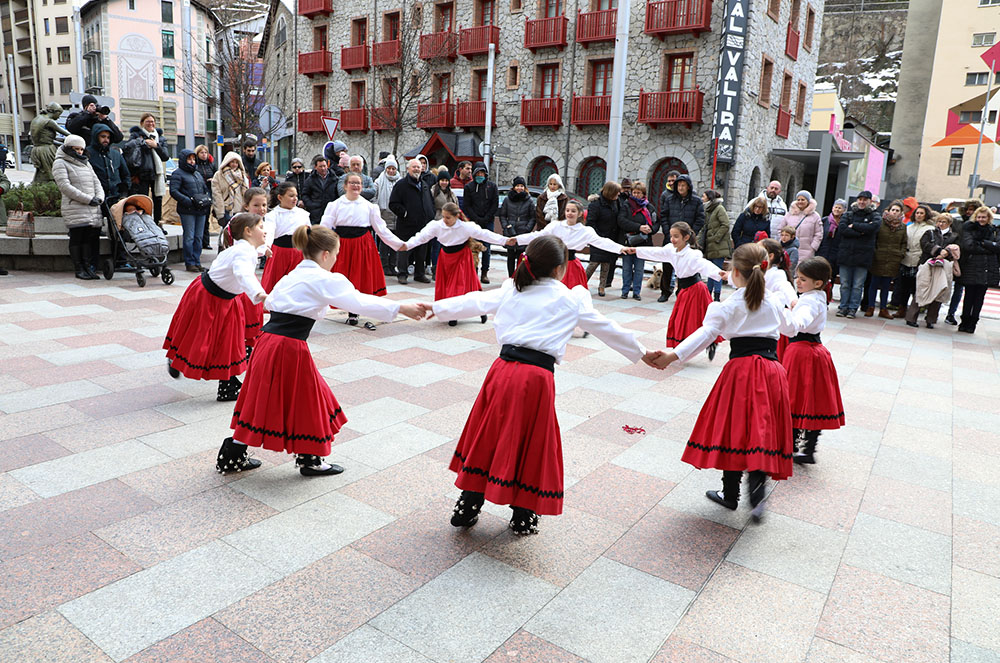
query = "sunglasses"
{"x": 294, "y": 167}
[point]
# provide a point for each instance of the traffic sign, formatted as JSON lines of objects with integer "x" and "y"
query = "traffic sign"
{"x": 218, "y": 140}
{"x": 270, "y": 118}
{"x": 330, "y": 124}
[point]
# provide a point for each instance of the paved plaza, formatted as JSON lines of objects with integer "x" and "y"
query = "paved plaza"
{"x": 119, "y": 542}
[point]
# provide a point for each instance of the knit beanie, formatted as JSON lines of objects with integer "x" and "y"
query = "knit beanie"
{"x": 443, "y": 174}
{"x": 805, "y": 194}
{"x": 87, "y": 100}
{"x": 74, "y": 141}
{"x": 519, "y": 180}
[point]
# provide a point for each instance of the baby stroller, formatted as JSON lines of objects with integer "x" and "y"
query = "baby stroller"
{"x": 137, "y": 243}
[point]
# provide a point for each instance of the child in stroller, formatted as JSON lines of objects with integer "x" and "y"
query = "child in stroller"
{"x": 132, "y": 224}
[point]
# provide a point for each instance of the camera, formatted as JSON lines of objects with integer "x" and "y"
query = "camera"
{"x": 104, "y": 110}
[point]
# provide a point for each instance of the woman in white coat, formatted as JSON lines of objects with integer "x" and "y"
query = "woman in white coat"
{"x": 82, "y": 196}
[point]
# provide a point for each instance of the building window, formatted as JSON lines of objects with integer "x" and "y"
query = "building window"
{"x": 766, "y": 81}
{"x": 800, "y": 104}
{"x": 208, "y": 46}
{"x": 319, "y": 38}
{"x": 786, "y": 92}
{"x": 955, "y": 162}
{"x": 479, "y": 81}
{"x": 550, "y": 8}
{"x": 513, "y": 76}
{"x": 46, "y": 22}
{"x": 59, "y": 2}
{"x": 62, "y": 25}
{"x": 988, "y": 3}
{"x": 390, "y": 91}
{"x": 540, "y": 170}
{"x": 357, "y": 94}
{"x": 773, "y": 8}
{"x": 167, "y": 37}
{"x": 390, "y": 26}
{"x": 48, "y": 56}
{"x": 516, "y": 6}
{"x": 680, "y": 72}
{"x": 52, "y": 86}
{"x": 984, "y": 38}
{"x": 359, "y": 32}
{"x": 807, "y": 42}
{"x": 65, "y": 85}
{"x": 485, "y": 12}
{"x": 603, "y": 5}
{"x": 442, "y": 88}
{"x": 131, "y": 5}
{"x": 548, "y": 80}
{"x": 600, "y": 77}
{"x": 169, "y": 79}
{"x": 795, "y": 14}
{"x": 209, "y": 83}
{"x": 63, "y": 54}
{"x": 976, "y": 117}
{"x": 319, "y": 97}
{"x": 167, "y": 12}
{"x": 417, "y": 18}
{"x": 444, "y": 17}
{"x": 977, "y": 78}
{"x": 593, "y": 175}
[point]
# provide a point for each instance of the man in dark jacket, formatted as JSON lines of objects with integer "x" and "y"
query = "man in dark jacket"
{"x": 856, "y": 233}
{"x": 250, "y": 158}
{"x": 683, "y": 204}
{"x": 109, "y": 165}
{"x": 413, "y": 206}
{"x": 319, "y": 190}
{"x": 480, "y": 201}
{"x": 517, "y": 216}
{"x": 82, "y": 122}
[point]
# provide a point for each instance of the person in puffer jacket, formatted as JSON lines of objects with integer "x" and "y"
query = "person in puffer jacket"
{"x": 194, "y": 201}
{"x": 480, "y": 202}
{"x": 979, "y": 264}
{"x": 82, "y": 195}
{"x": 807, "y": 223}
{"x": 517, "y": 217}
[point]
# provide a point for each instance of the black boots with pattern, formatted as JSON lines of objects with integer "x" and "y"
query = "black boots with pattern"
{"x": 467, "y": 508}
{"x": 806, "y": 456}
{"x": 229, "y": 390}
{"x": 729, "y": 496}
{"x": 524, "y": 521}
{"x": 233, "y": 457}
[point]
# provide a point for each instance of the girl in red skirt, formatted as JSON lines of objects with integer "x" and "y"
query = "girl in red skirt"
{"x": 693, "y": 297}
{"x": 779, "y": 281}
{"x": 510, "y": 451}
{"x": 285, "y": 216}
{"x": 254, "y": 202}
{"x": 745, "y": 424}
{"x": 577, "y": 235}
{"x": 353, "y": 218}
{"x": 812, "y": 378}
{"x": 206, "y": 337}
{"x": 287, "y": 405}
{"x": 456, "y": 273}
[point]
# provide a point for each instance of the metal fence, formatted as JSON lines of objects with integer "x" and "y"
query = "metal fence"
{"x": 850, "y": 6}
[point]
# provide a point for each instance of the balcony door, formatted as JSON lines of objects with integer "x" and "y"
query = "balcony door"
{"x": 357, "y": 94}
{"x": 680, "y": 72}
{"x": 359, "y": 31}
{"x": 485, "y": 12}
{"x": 319, "y": 97}
{"x": 444, "y": 17}
{"x": 600, "y": 77}
{"x": 479, "y": 79}
{"x": 604, "y": 5}
{"x": 548, "y": 80}
{"x": 551, "y": 8}
{"x": 442, "y": 88}
{"x": 390, "y": 26}
{"x": 319, "y": 38}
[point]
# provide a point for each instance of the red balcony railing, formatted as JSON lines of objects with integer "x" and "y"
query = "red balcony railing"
{"x": 679, "y": 106}
{"x": 311, "y": 8}
{"x": 385, "y": 53}
{"x": 678, "y": 16}
{"x": 590, "y": 110}
{"x": 792, "y": 43}
{"x": 473, "y": 114}
{"x": 383, "y": 118}
{"x": 354, "y": 57}
{"x": 353, "y": 119}
{"x": 438, "y": 45}
{"x": 477, "y": 40}
{"x": 316, "y": 62}
{"x": 542, "y": 112}
{"x": 310, "y": 122}
{"x": 545, "y": 33}
{"x": 436, "y": 116}
{"x": 592, "y": 27}
{"x": 784, "y": 123}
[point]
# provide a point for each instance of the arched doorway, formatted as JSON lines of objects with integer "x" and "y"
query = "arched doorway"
{"x": 593, "y": 174}
{"x": 539, "y": 171}
{"x": 790, "y": 190}
{"x": 755, "y": 187}
{"x": 658, "y": 180}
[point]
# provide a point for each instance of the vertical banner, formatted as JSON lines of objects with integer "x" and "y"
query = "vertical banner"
{"x": 730, "y": 87}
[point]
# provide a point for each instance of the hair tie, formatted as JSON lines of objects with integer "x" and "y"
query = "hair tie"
{"x": 229, "y": 233}
{"x": 763, "y": 264}
{"x": 309, "y": 230}
{"x": 527, "y": 265}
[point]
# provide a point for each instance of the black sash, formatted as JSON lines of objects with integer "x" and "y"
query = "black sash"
{"x": 215, "y": 290}
{"x": 572, "y": 255}
{"x": 687, "y": 281}
{"x": 289, "y": 325}
{"x": 746, "y": 346}
{"x": 528, "y": 356}
{"x": 454, "y": 248}
{"x": 285, "y": 242}
{"x": 352, "y": 232}
{"x": 802, "y": 336}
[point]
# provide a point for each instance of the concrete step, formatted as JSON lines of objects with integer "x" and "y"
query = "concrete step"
{"x": 50, "y": 252}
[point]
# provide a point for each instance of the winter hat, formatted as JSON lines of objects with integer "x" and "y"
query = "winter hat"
{"x": 391, "y": 161}
{"x": 865, "y": 194}
{"x": 382, "y": 155}
{"x": 345, "y": 161}
{"x": 443, "y": 174}
{"x": 74, "y": 141}
{"x": 761, "y": 234}
{"x": 519, "y": 180}
{"x": 87, "y": 100}
{"x": 805, "y": 194}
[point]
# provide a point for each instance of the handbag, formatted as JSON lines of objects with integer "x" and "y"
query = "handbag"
{"x": 637, "y": 239}
{"x": 21, "y": 223}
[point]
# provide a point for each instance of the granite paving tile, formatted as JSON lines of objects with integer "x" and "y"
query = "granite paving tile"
{"x": 368, "y": 645}
{"x": 55, "y": 394}
{"x": 912, "y": 466}
{"x": 302, "y": 615}
{"x": 830, "y": 505}
{"x": 449, "y": 419}
{"x": 974, "y": 546}
{"x": 523, "y": 647}
{"x": 205, "y": 638}
{"x": 889, "y": 620}
{"x": 676, "y": 650}
{"x": 422, "y": 375}
{"x": 839, "y": 466}
{"x": 902, "y": 552}
{"x": 13, "y": 493}
{"x": 191, "y": 438}
{"x": 282, "y": 487}
{"x": 126, "y": 401}
{"x": 656, "y": 456}
{"x": 404, "y": 487}
{"x": 381, "y": 413}
{"x": 445, "y": 391}
{"x": 975, "y": 604}
{"x": 824, "y": 651}
{"x": 93, "y": 371}
{"x": 89, "y": 353}
{"x": 855, "y": 439}
{"x": 909, "y": 504}
{"x": 775, "y": 626}
{"x": 968, "y": 441}
{"x": 385, "y": 447}
{"x": 984, "y": 469}
{"x": 977, "y": 501}
{"x": 20, "y": 452}
{"x": 197, "y": 409}
{"x": 48, "y": 638}
{"x": 582, "y": 454}
{"x": 101, "y": 432}
{"x": 963, "y": 652}
{"x": 688, "y": 496}
{"x": 585, "y": 402}
{"x": 617, "y": 494}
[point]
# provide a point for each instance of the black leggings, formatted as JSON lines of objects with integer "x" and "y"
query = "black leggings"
{"x": 972, "y": 305}
{"x": 88, "y": 237}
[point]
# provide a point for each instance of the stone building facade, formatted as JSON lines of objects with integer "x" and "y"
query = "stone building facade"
{"x": 672, "y": 73}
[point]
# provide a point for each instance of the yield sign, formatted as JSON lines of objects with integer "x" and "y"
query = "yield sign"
{"x": 330, "y": 124}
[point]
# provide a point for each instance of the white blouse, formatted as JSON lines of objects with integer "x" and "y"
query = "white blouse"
{"x": 576, "y": 237}
{"x": 284, "y": 221}
{"x": 542, "y": 317}
{"x": 454, "y": 235}
{"x": 808, "y": 316}
{"x": 358, "y": 213}
{"x": 233, "y": 271}
{"x": 687, "y": 262}
{"x": 732, "y": 319}
{"x": 775, "y": 281}
{"x": 310, "y": 291}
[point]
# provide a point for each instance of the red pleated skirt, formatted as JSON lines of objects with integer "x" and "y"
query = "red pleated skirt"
{"x": 575, "y": 274}
{"x": 688, "y": 313}
{"x": 282, "y": 261}
{"x": 745, "y": 424}
{"x": 513, "y": 454}
{"x": 358, "y": 260}
{"x": 456, "y": 274}
{"x": 253, "y": 319}
{"x": 285, "y": 404}
{"x": 782, "y": 346}
{"x": 813, "y": 387}
{"x": 206, "y": 337}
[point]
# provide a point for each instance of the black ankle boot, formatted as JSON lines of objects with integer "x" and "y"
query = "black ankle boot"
{"x": 482, "y": 319}
{"x": 76, "y": 255}
{"x": 311, "y": 466}
{"x": 729, "y": 496}
{"x": 467, "y": 508}
{"x": 758, "y": 488}
{"x": 229, "y": 390}
{"x": 806, "y": 456}
{"x": 452, "y": 323}
{"x": 234, "y": 458}
{"x": 524, "y": 521}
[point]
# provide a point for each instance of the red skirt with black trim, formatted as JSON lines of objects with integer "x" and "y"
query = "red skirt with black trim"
{"x": 359, "y": 261}
{"x": 282, "y": 261}
{"x": 688, "y": 313}
{"x": 455, "y": 275}
{"x": 575, "y": 274}
{"x": 513, "y": 454}
{"x": 813, "y": 387}
{"x": 285, "y": 404}
{"x": 253, "y": 319}
{"x": 745, "y": 424}
{"x": 206, "y": 337}
{"x": 782, "y": 346}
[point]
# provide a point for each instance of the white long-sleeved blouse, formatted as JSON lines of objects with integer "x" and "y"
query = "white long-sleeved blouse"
{"x": 576, "y": 237}
{"x": 310, "y": 291}
{"x": 454, "y": 235}
{"x": 732, "y": 319}
{"x": 687, "y": 262}
{"x": 808, "y": 316}
{"x": 358, "y": 213}
{"x": 233, "y": 271}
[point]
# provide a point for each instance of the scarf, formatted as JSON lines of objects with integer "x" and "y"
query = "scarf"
{"x": 383, "y": 188}
{"x": 834, "y": 222}
{"x": 640, "y": 205}
{"x": 551, "y": 209}
{"x": 159, "y": 181}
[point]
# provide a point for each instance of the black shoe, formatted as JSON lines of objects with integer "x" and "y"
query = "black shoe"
{"x": 524, "y": 521}
{"x": 636, "y": 297}
{"x": 758, "y": 486}
{"x": 624, "y": 295}
{"x": 452, "y": 323}
{"x": 466, "y": 511}
{"x": 718, "y": 497}
{"x": 4, "y": 272}
{"x": 484, "y": 279}
{"x": 711, "y": 351}
{"x": 311, "y": 466}
{"x": 662, "y": 298}
{"x": 717, "y": 296}
{"x": 369, "y": 325}
{"x": 807, "y": 455}
{"x": 950, "y": 319}
{"x": 482, "y": 319}
{"x": 841, "y": 313}
{"x": 192, "y": 268}
{"x": 352, "y": 319}
{"x": 234, "y": 458}
{"x": 930, "y": 325}
{"x": 421, "y": 278}
{"x": 851, "y": 315}
{"x": 229, "y": 390}
{"x": 911, "y": 324}
{"x": 729, "y": 496}
{"x": 402, "y": 278}
{"x": 174, "y": 373}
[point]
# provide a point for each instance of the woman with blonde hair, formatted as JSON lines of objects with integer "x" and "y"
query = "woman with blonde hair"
{"x": 754, "y": 219}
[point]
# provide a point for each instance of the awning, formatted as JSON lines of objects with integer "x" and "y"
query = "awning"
{"x": 810, "y": 157}
{"x": 460, "y": 145}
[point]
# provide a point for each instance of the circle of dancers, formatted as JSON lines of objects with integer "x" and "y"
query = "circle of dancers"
{"x": 775, "y": 395}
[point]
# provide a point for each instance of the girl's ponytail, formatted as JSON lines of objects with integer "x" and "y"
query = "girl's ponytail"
{"x": 774, "y": 248}
{"x": 751, "y": 262}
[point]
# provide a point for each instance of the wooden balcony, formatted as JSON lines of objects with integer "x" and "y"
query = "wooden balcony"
{"x": 310, "y": 122}
{"x": 387, "y": 53}
{"x": 670, "y": 17}
{"x": 316, "y": 62}
{"x": 545, "y": 33}
{"x": 476, "y": 41}
{"x": 541, "y": 112}
{"x": 436, "y": 116}
{"x": 677, "y": 107}
{"x": 592, "y": 110}
{"x": 792, "y": 43}
{"x": 593, "y": 27}
{"x": 784, "y": 123}
{"x": 313, "y": 8}
{"x": 383, "y": 118}
{"x": 354, "y": 57}
{"x": 473, "y": 114}
{"x": 353, "y": 119}
{"x": 438, "y": 45}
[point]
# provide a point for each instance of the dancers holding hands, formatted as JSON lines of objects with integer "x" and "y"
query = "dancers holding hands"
{"x": 285, "y": 216}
